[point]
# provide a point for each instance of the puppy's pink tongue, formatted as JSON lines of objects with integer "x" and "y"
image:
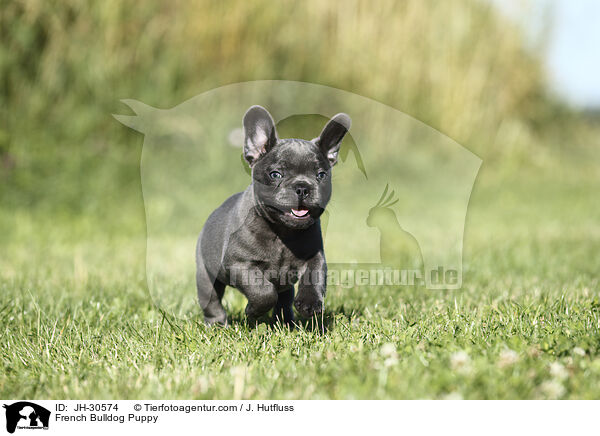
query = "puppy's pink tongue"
{"x": 301, "y": 212}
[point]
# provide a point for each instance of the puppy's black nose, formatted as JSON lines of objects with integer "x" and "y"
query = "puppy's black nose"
{"x": 302, "y": 191}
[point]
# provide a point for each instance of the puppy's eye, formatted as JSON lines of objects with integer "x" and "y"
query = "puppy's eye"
{"x": 275, "y": 175}
{"x": 321, "y": 175}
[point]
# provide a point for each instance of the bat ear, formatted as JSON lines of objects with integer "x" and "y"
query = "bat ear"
{"x": 261, "y": 136}
{"x": 331, "y": 137}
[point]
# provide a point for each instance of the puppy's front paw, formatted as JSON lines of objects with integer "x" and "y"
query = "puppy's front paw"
{"x": 307, "y": 307}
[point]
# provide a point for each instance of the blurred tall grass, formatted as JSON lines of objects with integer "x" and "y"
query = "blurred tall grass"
{"x": 459, "y": 66}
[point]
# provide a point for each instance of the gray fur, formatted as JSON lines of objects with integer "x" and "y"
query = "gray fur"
{"x": 254, "y": 242}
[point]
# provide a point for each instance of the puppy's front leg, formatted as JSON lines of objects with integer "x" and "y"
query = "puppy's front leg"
{"x": 312, "y": 287}
{"x": 258, "y": 289}
{"x": 283, "y": 311}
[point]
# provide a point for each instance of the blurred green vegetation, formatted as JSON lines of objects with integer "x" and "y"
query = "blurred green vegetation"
{"x": 458, "y": 66}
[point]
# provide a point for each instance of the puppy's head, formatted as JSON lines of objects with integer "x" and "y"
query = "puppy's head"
{"x": 291, "y": 177}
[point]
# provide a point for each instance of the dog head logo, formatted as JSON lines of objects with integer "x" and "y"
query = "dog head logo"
{"x": 26, "y": 415}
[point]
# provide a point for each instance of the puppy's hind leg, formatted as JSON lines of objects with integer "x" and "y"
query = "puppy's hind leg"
{"x": 210, "y": 294}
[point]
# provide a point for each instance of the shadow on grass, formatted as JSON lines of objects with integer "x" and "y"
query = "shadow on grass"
{"x": 339, "y": 313}
{"x": 321, "y": 323}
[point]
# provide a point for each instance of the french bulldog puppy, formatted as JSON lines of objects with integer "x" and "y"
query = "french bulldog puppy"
{"x": 265, "y": 239}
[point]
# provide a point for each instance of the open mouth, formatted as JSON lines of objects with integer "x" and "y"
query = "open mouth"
{"x": 300, "y": 213}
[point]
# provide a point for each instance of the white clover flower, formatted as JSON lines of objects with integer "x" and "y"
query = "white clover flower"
{"x": 508, "y": 358}
{"x": 460, "y": 361}
{"x": 579, "y": 351}
{"x": 390, "y": 361}
{"x": 452, "y": 396}
{"x": 553, "y": 389}
{"x": 558, "y": 371}
{"x": 388, "y": 350}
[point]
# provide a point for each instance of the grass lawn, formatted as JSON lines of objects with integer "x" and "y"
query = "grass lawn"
{"x": 76, "y": 320}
